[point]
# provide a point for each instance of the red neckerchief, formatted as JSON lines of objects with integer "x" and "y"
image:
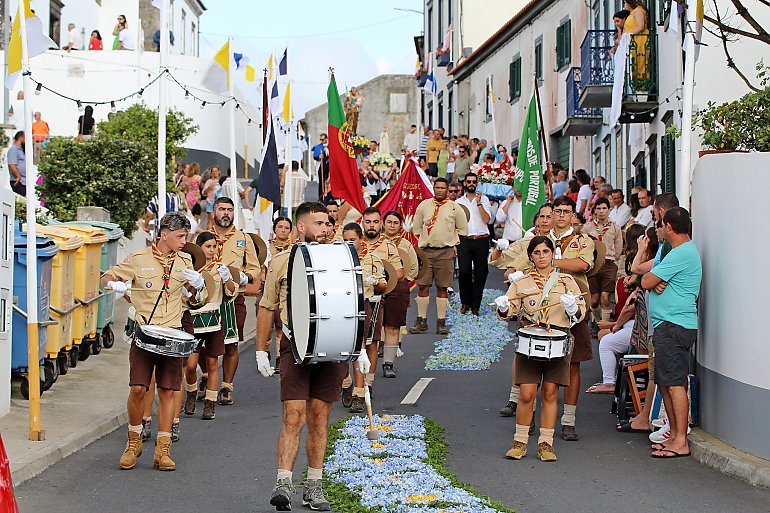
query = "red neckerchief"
{"x": 167, "y": 262}
{"x": 604, "y": 229}
{"x": 377, "y": 243}
{"x": 364, "y": 249}
{"x": 433, "y": 218}
{"x": 221, "y": 242}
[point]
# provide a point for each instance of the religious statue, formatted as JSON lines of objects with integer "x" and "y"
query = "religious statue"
{"x": 353, "y": 104}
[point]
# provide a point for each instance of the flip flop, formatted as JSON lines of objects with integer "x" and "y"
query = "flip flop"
{"x": 658, "y": 447}
{"x": 670, "y": 454}
{"x": 594, "y": 389}
{"x": 626, "y": 428}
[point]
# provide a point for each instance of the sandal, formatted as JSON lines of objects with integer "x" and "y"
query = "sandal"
{"x": 668, "y": 453}
{"x": 601, "y": 388}
{"x": 626, "y": 428}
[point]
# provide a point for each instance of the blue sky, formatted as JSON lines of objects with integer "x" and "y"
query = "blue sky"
{"x": 360, "y": 40}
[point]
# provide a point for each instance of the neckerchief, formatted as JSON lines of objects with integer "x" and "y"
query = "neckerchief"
{"x": 540, "y": 281}
{"x": 558, "y": 241}
{"x": 221, "y": 242}
{"x": 604, "y": 229}
{"x": 377, "y": 243}
{"x": 279, "y": 249}
{"x": 432, "y": 220}
{"x": 398, "y": 237}
{"x": 364, "y": 249}
{"x": 167, "y": 262}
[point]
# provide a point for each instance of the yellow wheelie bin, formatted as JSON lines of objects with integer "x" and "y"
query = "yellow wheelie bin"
{"x": 87, "y": 274}
{"x": 63, "y": 302}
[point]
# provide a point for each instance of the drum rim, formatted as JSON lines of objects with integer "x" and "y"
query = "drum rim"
{"x": 564, "y": 334}
{"x": 145, "y": 346}
{"x": 148, "y": 338}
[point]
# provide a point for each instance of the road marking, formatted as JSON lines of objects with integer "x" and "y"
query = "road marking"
{"x": 416, "y": 391}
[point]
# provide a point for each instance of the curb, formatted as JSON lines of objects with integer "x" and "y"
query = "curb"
{"x": 713, "y": 452}
{"x": 84, "y": 437}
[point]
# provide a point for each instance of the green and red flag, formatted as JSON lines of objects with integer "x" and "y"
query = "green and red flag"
{"x": 529, "y": 172}
{"x": 344, "y": 177}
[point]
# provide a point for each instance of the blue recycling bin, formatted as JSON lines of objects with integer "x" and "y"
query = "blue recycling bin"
{"x": 46, "y": 250}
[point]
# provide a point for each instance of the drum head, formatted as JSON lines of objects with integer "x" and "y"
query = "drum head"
{"x": 301, "y": 300}
{"x": 539, "y": 331}
{"x": 391, "y": 275}
{"x": 151, "y": 333}
{"x": 600, "y": 253}
{"x": 422, "y": 258}
{"x": 198, "y": 258}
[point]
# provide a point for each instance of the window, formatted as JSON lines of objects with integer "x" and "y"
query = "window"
{"x": 667, "y": 156}
{"x": 490, "y": 98}
{"x": 440, "y": 121}
{"x": 514, "y": 79}
{"x": 652, "y": 151}
{"x": 439, "y": 20}
{"x": 597, "y": 162}
{"x": 449, "y": 12}
{"x": 607, "y": 15}
{"x": 430, "y": 29}
{"x": 450, "y": 109}
{"x": 564, "y": 44}
{"x": 398, "y": 102}
{"x": 430, "y": 114}
{"x": 7, "y": 252}
{"x": 607, "y": 156}
{"x": 618, "y": 158}
{"x": 193, "y": 46}
{"x": 184, "y": 33}
{"x": 539, "y": 58}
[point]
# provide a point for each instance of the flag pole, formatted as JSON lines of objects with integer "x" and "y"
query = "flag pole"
{"x": 287, "y": 154}
{"x": 265, "y": 107}
{"x": 548, "y": 173}
{"x": 691, "y": 45}
{"x": 492, "y": 98}
{"x": 231, "y": 109}
{"x": 36, "y": 433}
{"x": 164, "y": 43}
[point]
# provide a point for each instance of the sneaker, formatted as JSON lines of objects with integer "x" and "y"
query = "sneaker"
{"x": 545, "y": 452}
{"x": 209, "y": 410}
{"x": 281, "y": 497}
{"x": 663, "y": 434}
{"x": 225, "y": 397}
{"x": 175, "y": 432}
{"x": 517, "y": 451}
{"x": 569, "y": 434}
{"x": 357, "y": 405}
{"x": 347, "y": 396}
{"x": 313, "y": 496}
{"x": 509, "y": 410}
{"x": 146, "y": 429}
{"x": 388, "y": 371}
{"x": 659, "y": 423}
{"x": 450, "y": 291}
{"x": 202, "y": 388}
{"x": 189, "y": 403}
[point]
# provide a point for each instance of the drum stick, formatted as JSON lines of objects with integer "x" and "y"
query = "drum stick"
{"x": 546, "y": 307}
{"x": 372, "y": 434}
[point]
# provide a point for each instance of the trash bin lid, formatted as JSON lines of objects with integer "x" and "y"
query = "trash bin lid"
{"x": 89, "y": 234}
{"x": 46, "y": 247}
{"x": 112, "y": 230}
{"x": 65, "y": 239}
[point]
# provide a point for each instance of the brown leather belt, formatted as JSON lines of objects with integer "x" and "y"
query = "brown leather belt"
{"x": 474, "y": 236}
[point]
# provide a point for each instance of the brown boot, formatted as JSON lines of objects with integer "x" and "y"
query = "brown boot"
{"x": 209, "y": 410}
{"x": 441, "y": 327}
{"x": 132, "y": 451}
{"x": 162, "y": 459}
{"x": 420, "y": 325}
{"x": 189, "y": 403}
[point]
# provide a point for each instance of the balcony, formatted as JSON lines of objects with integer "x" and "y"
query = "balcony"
{"x": 596, "y": 69}
{"x": 581, "y": 121}
{"x": 442, "y": 59}
{"x": 640, "y": 91}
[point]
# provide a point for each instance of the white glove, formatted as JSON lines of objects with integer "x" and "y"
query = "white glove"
{"x": 407, "y": 225}
{"x": 570, "y": 306}
{"x": 243, "y": 279}
{"x": 224, "y": 272}
{"x": 515, "y": 276}
{"x": 194, "y": 278}
{"x": 263, "y": 364}
{"x": 363, "y": 363}
{"x": 186, "y": 293}
{"x": 503, "y": 303}
{"x": 502, "y": 244}
{"x": 371, "y": 280}
{"x": 120, "y": 287}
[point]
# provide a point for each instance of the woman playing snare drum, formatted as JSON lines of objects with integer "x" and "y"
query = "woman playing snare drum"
{"x": 528, "y": 294}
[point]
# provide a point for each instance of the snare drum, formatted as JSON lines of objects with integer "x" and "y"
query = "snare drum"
{"x": 165, "y": 341}
{"x": 206, "y": 318}
{"x": 540, "y": 344}
{"x": 325, "y": 302}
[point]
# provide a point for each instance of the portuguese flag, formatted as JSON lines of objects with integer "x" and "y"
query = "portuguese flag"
{"x": 344, "y": 177}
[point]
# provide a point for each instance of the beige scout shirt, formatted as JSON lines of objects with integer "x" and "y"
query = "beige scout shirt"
{"x": 450, "y": 224}
{"x": 404, "y": 245}
{"x": 371, "y": 265}
{"x": 145, "y": 273}
{"x": 384, "y": 249}
{"x": 525, "y": 295}
{"x": 610, "y": 234}
{"x": 580, "y": 246}
{"x": 240, "y": 252}
{"x": 514, "y": 250}
{"x": 274, "y": 295}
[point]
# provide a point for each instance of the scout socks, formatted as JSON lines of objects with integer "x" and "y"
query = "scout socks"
{"x": 135, "y": 429}
{"x": 284, "y": 474}
{"x": 514, "y": 397}
{"x": 522, "y": 434}
{"x": 191, "y": 387}
{"x": 568, "y": 419}
{"x": 211, "y": 395}
{"x": 422, "y": 306}
{"x": 359, "y": 392}
{"x": 441, "y": 303}
{"x": 314, "y": 474}
{"x": 596, "y": 313}
{"x": 389, "y": 353}
{"x": 606, "y": 314}
{"x": 546, "y": 435}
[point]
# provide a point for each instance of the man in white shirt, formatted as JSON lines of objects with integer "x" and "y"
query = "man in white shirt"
{"x": 585, "y": 194}
{"x": 74, "y": 40}
{"x": 620, "y": 213}
{"x": 644, "y": 216}
{"x": 126, "y": 40}
{"x": 473, "y": 250}
{"x": 509, "y": 213}
{"x": 412, "y": 140}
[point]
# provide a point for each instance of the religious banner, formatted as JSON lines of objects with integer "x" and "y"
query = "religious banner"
{"x": 405, "y": 195}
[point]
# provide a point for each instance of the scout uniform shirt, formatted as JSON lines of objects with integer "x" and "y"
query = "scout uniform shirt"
{"x": 610, "y": 234}
{"x": 274, "y": 294}
{"x": 439, "y": 224}
{"x": 145, "y": 272}
{"x": 514, "y": 250}
{"x": 525, "y": 294}
{"x": 403, "y": 244}
{"x": 371, "y": 265}
{"x": 237, "y": 249}
{"x": 384, "y": 248}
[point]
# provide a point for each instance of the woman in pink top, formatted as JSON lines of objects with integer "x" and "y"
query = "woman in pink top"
{"x": 210, "y": 190}
{"x": 192, "y": 178}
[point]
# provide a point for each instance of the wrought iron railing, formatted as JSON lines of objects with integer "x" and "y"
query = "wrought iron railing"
{"x": 596, "y": 62}
{"x": 642, "y": 66}
{"x": 574, "y": 110}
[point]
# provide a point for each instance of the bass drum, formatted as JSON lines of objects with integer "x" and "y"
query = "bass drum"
{"x": 325, "y": 302}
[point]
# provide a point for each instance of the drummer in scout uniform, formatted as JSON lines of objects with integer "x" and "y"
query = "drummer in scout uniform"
{"x": 541, "y": 286}
{"x": 574, "y": 254}
{"x": 384, "y": 248}
{"x": 438, "y": 224}
{"x": 396, "y": 303}
{"x": 208, "y": 329}
{"x": 374, "y": 283}
{"x": 162, "y": 276}
{"x": 602, "y": 284}
{"x": 236, "y": 249}
{"x": 307, "y": 391}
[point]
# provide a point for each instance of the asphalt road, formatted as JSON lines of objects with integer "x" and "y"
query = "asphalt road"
{"x": 229, "y": 464}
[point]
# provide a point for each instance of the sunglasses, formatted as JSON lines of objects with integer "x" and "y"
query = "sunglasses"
{"x": 471, "y": 182}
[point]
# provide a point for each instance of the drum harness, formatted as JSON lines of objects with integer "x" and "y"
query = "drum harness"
{"x": 157, "y": 301}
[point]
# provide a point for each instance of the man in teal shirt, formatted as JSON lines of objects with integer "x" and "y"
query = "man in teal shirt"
{"x": 675, "y": 285}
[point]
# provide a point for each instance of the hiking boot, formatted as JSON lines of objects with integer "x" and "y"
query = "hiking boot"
{"x": 313, "y": 496}
{"x": 517, "y": 451}
{"x": 509, "y": 410}
{"x": 388, "y": 371}
{"x": 132, "y": 451}
{"x": 146, "y": 429}
{"x": 281, "y": 497}
{"x": 225, "y": 396}
{"x": 175, "y": 432}
{"x": 162, "y": 459}
{"x": 202, "y": 388}
{"x": 209, "y": 408}
{"x": 420, "y": 325}
{"x": 441, "y": 327}
{"x": 347, "y": 396}
{"x": 569, "y": 434}
{"x": 545, "y": 452}
{"x": 357, "y": 404}
{"x": 189, "y": 403}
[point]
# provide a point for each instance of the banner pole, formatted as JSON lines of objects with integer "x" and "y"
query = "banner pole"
{"x": 548, "y": 169}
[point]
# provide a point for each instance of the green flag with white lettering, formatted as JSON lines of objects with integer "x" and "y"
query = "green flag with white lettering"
{"x": 529, "y": 171}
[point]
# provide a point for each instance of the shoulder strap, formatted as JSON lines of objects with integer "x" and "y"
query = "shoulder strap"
{"x": 546, "y": 290}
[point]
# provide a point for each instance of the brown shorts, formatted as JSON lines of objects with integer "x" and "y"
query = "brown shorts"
{"x": 214, "y": 342}
{"x": 301, "y": 382}
{"x": 441, "y": 267}
{"x": 605, "y": 280}
{"x": 240, "y": 314}
{"x": 367, "y": 319}
{"x": 168, "y": 369}
{"x": 581, "y": 335}
{"x": 396, "y": 305}
{"x": 530, "y": 371}
{"x": 377, "y": 335}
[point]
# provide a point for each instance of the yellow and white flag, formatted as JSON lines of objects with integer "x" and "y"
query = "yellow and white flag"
{"x": 37, "y": 43}
{"x": 217, "y": 78}
{"x": 288, "y": 112}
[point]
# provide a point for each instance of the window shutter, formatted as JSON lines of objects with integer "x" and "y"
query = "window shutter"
{"x": 568, "y": 42}
{"x": 511, "y": 84}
